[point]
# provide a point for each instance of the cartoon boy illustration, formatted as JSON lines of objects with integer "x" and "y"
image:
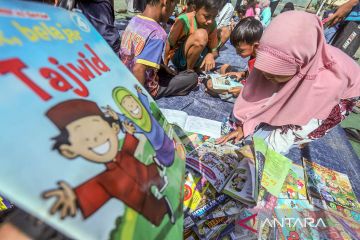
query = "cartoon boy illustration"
{"x": 86, "y": 132}
{"x": 137, "y": 111}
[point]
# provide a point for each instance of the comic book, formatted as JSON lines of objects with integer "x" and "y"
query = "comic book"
{"x": 215, "y": 162}
{"x": 241, "y": 185}
{"x": 229, "y": 208}
{"x": 209, "y": 229}
{"x": 297, "y": 219}
{"x": 294, "y": 185}
{"x": 195, "y": 187}
{"x": 223, "y": 82}
{"x": 86, "y": 148}
{"x": 326, "y": 186}
{"x": 4, "y": 204}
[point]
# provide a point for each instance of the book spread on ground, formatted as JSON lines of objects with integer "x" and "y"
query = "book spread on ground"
{"x": 215, "y": 162}
{"x": 294, "y": 185}
{"x": 192, "y": 123}
{"x": 223, "y": 82}
{"x": 276, "y": 167}
{"x": 327, "y": 187}
{"x": 229, "y": 169}
{"x": 85, "y": 147}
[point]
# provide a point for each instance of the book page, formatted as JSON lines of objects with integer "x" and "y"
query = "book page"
{"x": 215, "y": 162}
{"x": 224, "y": 82}
{"x": 203, "y": 126}
{"x": 175, "y": 117}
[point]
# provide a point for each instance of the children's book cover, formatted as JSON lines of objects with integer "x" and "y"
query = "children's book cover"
{"x": 195, "y": 187}
{"x": 329, "y": 185}
{"x": 276, "y": 167}
{"x": 294, "y": 185}
{"x": 215, "y": 162}
{"x": 297, "y": 219}
{"x": 86, "y": 147}
{"x": 4, "y": 204}
{"x": 193, "y": 140}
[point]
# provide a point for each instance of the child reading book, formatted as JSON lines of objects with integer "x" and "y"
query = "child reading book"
{"x": 141, "y": 50}
{"x": 193, "y": 41}
{"x": 245, "y": 38}
{"x": 285, "y": 91}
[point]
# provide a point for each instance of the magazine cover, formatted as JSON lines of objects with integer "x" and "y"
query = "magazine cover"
{"x": 294, "y": 185}
{"x": 215, "y": 162}
{"x": 329, "y": 185}
{"x": 85, "y": 146}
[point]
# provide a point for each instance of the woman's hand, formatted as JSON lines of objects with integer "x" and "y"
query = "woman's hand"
{"x": 237, "y": 134}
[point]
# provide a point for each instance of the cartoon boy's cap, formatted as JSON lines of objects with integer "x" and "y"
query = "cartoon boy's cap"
{"x": 66, "y": 112}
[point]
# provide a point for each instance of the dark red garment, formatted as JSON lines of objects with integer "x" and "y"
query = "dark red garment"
{"x": 251, "y": 64}
{"x": 128, "y": 180}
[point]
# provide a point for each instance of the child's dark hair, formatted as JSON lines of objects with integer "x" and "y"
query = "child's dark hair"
{"x": 155, "y": 2}
{"x": 289, "y": 6}
{"x": 208, "y": 4}
{"x": 251, "y": 4}
{"x": 190, "y": 2}
{"x": 241, "y": 9}
{"x": 248, "y": 30}
{"x": 63, "y": 137}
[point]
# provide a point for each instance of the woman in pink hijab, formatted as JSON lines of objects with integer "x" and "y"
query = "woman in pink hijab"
{"x": 301, "y": 87}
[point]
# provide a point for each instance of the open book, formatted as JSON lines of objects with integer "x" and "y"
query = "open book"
{"x": 227, "y": 168}
{"x": 193, "y": 124}
{"x": 223, "y": 82}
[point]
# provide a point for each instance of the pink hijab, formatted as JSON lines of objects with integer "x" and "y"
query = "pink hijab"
{"x": 294, "y": 44}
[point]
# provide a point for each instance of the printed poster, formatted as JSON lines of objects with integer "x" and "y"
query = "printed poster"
{"x": 85, "y": 148}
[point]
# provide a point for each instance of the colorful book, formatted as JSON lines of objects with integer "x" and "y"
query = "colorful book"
{"x": 4, "y": 204}
{"x": 194, "y": 188}
{"x": 326, "y": 186}
{"x": 276, "y": 167}
{"x": 229, "y": 208}
{"x": 294, "y": 185}
{"x": 241, "y": 185}
{"x": 87, "y": 148}
{"x": 193, "y": 140}
{"x": 297, "y": 219}
{"x": 215, "y": 162}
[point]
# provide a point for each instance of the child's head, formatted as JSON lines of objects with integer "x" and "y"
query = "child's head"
{"x": 246, "y": 36}
{"x": 289, "y": 6}
{"x": 206, "y": 12}
{"x": 241, "y": 11}
{"x": 167, "y": 7}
